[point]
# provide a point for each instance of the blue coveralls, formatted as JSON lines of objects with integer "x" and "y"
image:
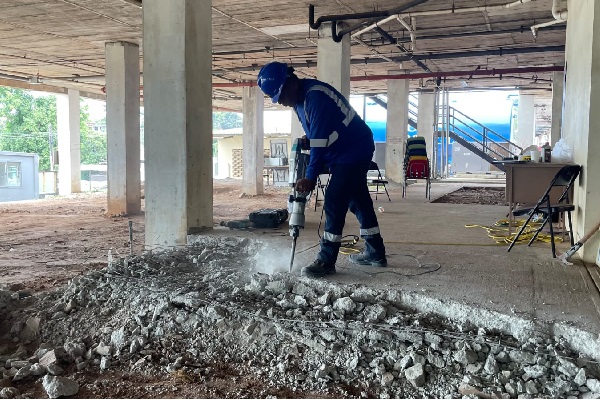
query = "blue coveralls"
{"x": 341, "y": 140}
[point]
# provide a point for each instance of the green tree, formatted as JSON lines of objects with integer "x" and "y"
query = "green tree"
{"x": 28, "y": 124}
{"x": 226, "y": 120}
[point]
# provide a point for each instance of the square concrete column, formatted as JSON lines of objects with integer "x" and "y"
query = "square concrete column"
{"x": 123, "y": 127}
{"x": 557, "y": 106}
{"x": 396, "y": 128}
{"x": 525, "y": 122}
{"x": 69, "y": 142}
{"x": 581, "y": 118}
{"x": 178, "y": 119}
{"x": 333, "y": 59}
{"x": 426, "y": 120}
{"x": 253, "y": 105}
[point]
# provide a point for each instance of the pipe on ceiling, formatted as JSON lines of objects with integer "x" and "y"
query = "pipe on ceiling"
{"x": 442, "y": 12}
{"x": 560, "y": 14}
{"x": 337, "y": 36}
{"x": 440, "y": 74}
{"x": 389, "y": 37}
{"x": 436, "y": 56}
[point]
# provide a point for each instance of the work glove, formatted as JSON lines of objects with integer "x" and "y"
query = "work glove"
{"x": 305, "y": 185}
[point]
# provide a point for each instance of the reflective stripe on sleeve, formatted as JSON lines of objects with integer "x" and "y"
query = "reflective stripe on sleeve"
{"x": 369, "y": 232}
{"x": 332, "y": 238}
{"x": 324, "y": 142}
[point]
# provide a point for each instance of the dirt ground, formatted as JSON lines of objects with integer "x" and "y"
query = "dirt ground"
{"x": 475, "y": 195}
{"x": 46, "y": 242}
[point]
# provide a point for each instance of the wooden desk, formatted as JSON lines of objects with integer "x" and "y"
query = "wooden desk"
{"x": 527, "y": 182}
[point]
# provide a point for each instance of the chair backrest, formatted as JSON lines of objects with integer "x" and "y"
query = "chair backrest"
{"x": 564, "y": 177}
{"x": 374, "y": 167}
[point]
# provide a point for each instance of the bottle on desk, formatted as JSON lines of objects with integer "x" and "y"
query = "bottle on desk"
{"x": 546, "y": 153}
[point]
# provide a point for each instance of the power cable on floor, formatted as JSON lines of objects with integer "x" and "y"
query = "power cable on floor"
{"x": 501, "y": 233}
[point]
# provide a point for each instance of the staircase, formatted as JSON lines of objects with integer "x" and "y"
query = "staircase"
{"x": 478, "y": 138}
{"x": 481, "y": 140}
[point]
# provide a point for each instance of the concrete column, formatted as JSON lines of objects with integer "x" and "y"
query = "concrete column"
{"x": 397, "y": 128}
{"x": 426, "y": 120}
{"x": 581, "y": 119}
{"x": 253, "y": 105}
{"x": 557, "y": 106}
{"x": 178, "y": 119}
{"x": 525, "y": 122}
{"x": 333, "y": 59}
{"x": 123, "y": 127}
{"x": 297, "y": 129}
{"x": 69, "y": 143}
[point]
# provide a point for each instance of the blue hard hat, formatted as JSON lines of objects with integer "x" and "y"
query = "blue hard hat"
{"x": 271, "y": 79}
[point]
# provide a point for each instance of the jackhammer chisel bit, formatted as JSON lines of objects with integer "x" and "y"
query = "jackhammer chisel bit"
{"x": 297, "y": 201}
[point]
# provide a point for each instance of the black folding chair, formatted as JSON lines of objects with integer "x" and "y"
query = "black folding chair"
{"x": 379, "y": 181}
{"x": 564, "y": 178}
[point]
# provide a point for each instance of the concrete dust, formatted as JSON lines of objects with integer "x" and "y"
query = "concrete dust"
{"x": 201, "y": 321}
{"x": 271, "y": 259}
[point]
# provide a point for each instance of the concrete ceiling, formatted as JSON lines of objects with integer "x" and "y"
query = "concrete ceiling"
{"x": 60, "y": 43}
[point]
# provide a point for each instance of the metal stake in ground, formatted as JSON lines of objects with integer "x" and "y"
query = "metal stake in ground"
{"x": 131, "y": 237}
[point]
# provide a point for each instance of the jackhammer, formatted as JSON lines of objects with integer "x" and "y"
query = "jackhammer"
{"x": 297, "y": 200}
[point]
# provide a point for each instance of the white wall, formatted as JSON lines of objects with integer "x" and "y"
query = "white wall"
{"x": 29, "y": 188}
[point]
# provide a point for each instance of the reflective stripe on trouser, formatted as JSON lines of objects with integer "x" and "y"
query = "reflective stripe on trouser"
{"x": 348, "y": 190}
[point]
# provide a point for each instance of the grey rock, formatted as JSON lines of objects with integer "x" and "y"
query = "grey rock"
{"x": 491, "y": 365}
{"x": 405, "y": 362}
{"x": 102, "y": 349}
{"x": 104, "y": 363}
{"x": 344, "y": 304}
{"x": 22, "y": 373}
{"x": 56, "y": 386}
{"x": 9, "y": 393}
{"x": 534, "y": 371}
{"x": 523, "y": 357}
{"x": 75, "y": 349}
{"x": 465, "y": 356}
{"x": 18, "y": 364}
{"x": 37, "y": 369}
{"x": 510, "y": 389}
{"x": 593, "y": 385}
{"x": 530, "y": 387}
{"x": 580, "y": 378}
{"x": 590, "y": 395}
{"x": 474, "y": 368}
{"x": 54, "y": 369}
{"x": 375, "y": 313}
{"x": 117, "y": 339}
{"x": 503, "y": 357}
{"x": 415, "y": 375}
{"x": 567, "y": 367}
{"x": 387, "y": 379}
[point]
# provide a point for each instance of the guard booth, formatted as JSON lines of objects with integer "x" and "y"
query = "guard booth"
{"x": 18, "y": 176}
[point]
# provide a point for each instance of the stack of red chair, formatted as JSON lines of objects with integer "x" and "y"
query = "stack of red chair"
{"x": 416, "y": 163}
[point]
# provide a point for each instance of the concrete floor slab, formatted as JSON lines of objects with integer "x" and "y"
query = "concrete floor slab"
{"x": 526, "y": 285}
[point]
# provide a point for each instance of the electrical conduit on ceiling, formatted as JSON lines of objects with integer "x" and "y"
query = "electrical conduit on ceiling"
{"x": 441, "y": 74}
{"x": 559, "y": 12}
{"x": 442, "y": 12}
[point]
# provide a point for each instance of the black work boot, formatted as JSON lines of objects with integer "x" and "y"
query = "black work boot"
{"x": 318, "y": 269}
{"x": 366, "y": 259}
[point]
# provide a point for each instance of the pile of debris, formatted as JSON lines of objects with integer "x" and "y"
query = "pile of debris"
{"x": 178, "y": 311}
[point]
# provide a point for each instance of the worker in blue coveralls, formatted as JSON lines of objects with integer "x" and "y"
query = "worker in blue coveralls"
{"x": 340, "y": 140}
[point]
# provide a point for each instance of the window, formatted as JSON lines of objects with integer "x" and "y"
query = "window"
{"x": 10, "y": 174}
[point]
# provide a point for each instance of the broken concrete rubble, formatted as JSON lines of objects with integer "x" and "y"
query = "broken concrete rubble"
{"x": 180, "y": 310}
